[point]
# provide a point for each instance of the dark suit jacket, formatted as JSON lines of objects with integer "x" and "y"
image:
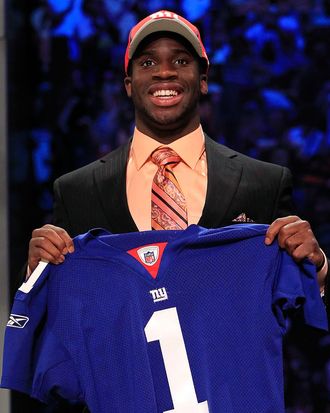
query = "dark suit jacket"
{"x": 95, "y": 195}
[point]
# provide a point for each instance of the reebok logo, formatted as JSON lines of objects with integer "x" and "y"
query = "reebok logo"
{"x": 17, "y": 321}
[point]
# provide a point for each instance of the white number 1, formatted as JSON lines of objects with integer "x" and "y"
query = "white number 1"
{"x": 164, "y": 325}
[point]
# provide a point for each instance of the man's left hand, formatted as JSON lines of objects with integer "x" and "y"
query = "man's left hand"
{"x": 297, "y": 238}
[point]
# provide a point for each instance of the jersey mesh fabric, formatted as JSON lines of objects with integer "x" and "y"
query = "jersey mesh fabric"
{"x": 85, "y": 339}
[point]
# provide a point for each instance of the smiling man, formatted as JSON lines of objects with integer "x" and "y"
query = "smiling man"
{"x": 165, "y": 84}
{"x": 171, "y": 174}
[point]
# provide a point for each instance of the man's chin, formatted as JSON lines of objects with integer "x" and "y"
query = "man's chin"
{"x": 169, "y": 118}
{"x": 173, "y": 119}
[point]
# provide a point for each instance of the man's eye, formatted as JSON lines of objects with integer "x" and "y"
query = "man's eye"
{"x": 181, "y": 61}
{"x": 147, "y": 63}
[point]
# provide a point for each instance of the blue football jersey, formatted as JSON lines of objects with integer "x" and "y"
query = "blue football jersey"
{"x": 161, "y": 321}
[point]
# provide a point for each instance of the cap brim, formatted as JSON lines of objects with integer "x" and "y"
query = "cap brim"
{"x": 165, "y": 25}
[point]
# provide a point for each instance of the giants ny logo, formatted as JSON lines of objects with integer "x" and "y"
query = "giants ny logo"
{"x": 159, "y": 295}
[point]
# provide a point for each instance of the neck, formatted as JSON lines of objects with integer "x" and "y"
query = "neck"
{"x": 167, "y": 136}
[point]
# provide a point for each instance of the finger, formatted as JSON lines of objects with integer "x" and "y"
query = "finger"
{"x": 45, "y": 256}
{"x": 301, "y": 252}
{"x": 39, "y": 254}
{"x": 300, "y": 247}
{"x": 297, "y": 232}
{"x": 311, "y": 250}
{"x": 276, "y": 226}
{"x": 58, "y": 236}
{"x": 69, "y": 246}
{"x": 41, "y": 246}
{"x": 64, "y": 236}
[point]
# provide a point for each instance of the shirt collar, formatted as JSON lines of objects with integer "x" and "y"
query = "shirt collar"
{"x": 143, "y": 145}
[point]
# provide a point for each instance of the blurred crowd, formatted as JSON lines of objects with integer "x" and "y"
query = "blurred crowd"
{"x": 269, "y": 97}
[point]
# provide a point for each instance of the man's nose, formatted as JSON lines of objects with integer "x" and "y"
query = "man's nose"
{"x": 165, "y": 70}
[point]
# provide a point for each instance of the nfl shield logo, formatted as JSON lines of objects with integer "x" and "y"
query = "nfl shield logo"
{"x": 149, "y": 254}
{"x": 149, "y": 257}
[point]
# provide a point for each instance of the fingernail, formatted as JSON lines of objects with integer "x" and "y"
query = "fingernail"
{"x": 71, "y": 249}
{"x": 65, "y": 250}
{"x": 268, "y": 241}
{"x": 61, "y": 259}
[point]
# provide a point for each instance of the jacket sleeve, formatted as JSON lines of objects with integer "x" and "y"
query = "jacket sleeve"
{"x": 283, "y": 205}
{"x": 326, "y": 298}
{"x": 60, "y": 215}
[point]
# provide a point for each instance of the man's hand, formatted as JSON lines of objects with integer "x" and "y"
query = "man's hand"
{"x": 49, "y": 243}
{"x": 297, "y": 238}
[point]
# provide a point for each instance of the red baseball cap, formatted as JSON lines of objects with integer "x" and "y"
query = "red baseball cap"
{"x": 166, "y": 21}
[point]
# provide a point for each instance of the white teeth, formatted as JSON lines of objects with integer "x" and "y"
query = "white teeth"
{"x": 165, "y": 93}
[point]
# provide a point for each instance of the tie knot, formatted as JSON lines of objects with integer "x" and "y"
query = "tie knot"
{"x": 164, "y": 156}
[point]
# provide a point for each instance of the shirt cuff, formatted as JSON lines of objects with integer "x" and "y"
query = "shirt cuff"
{"x": 28, "y": 273}
{"x": 323, "y": 272}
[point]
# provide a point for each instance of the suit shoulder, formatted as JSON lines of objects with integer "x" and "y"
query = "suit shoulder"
{"x": 257, "y": 163}
{"x": 245, "y": 160}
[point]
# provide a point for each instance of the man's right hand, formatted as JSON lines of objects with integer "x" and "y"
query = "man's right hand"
{"x": 49, "y": 243}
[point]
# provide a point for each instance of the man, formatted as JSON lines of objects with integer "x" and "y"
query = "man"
{"x": 166, "y": 73}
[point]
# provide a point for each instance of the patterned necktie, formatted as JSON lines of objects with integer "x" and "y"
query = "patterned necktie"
{"x": 168, "y": 204}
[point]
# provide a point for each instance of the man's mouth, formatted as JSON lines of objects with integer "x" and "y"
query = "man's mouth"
{"x": 165, "y": 93}
{"x": 166, "y": 96}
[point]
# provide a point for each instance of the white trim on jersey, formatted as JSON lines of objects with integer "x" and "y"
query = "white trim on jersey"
{"x": 27, "y": 286}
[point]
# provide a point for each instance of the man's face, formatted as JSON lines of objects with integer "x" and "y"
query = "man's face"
{"x": 165, "y": 86}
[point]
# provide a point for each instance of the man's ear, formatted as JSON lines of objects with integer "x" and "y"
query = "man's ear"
{"x": 128, "y": 85}
{"x": 203, "y": 84}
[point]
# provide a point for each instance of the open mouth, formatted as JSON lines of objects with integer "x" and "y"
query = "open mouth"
{"x": 165, "y": 93}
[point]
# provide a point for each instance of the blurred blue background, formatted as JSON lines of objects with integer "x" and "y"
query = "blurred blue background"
{"x": 269, "y": 97}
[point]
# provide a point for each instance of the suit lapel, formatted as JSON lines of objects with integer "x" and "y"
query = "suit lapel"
{"x": 110, "y": 180}
{"x": 224, "y": 175}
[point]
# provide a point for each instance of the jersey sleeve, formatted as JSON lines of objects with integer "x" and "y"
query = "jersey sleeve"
{"x": 54, "y": 375}
{"x": 25, "y": 321}
{"x": 295, "y": 286}
{"x": 33, "y": 361}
